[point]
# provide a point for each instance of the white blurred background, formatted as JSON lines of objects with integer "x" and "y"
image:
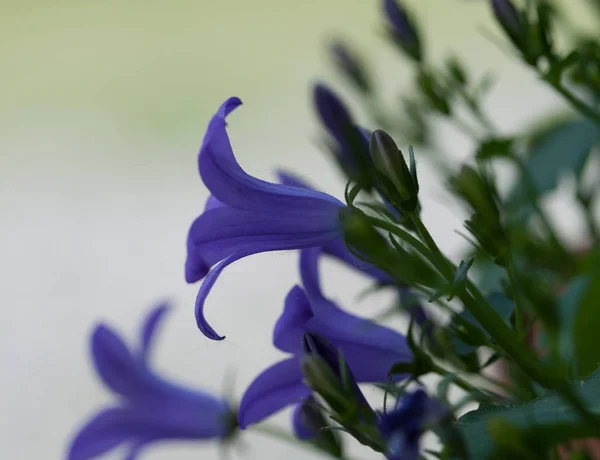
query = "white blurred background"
{"x": 103, "y": 106}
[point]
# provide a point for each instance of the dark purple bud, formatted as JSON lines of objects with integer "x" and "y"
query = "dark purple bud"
{"x": 332, "y": 111}
{"x": 507, "y": 15}
{"x": 402, "y": 29}
{"x": 350, "y": 65}
{"x": 351, "y": 147}
{"x": 310, "y": 424}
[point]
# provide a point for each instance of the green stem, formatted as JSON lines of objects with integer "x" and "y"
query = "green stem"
{"x": 458, "y": 381}
{"x": 519, "y": 326}
{"x": 402, "y": 234}
{"x": 573, "y": 100}
{"x": 487, "y": 317}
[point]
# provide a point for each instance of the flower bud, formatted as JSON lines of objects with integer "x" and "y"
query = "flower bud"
{"x": 507, "y": 15}
{"x": 327, "y": 373}
{"x": 402, "y": 29}
{"x": 350, "y": 66}
{"x": 351, "y": 148}
{"x": 388, "y": 159}
{"x": 310, "y": 425}
{"x": 332, "y": 111}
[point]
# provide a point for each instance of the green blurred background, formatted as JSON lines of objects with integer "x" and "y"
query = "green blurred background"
{"x": 103, "y": 106}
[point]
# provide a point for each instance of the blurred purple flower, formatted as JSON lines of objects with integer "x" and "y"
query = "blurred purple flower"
{"x": 246, "y": 215}
{"x": 403, "y": 426}
{"x": 149, "y": 408}
{"x": 507, "y": 15}
{"x": 402, "y": 29}
{"x": 351, "y": 147}
{"x": 369, "y": 349}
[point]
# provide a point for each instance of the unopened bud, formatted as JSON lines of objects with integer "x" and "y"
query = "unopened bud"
{"x": 350, "y": 65}
{"x": 402, "y": 29}
{"x": 310, "y": 424}
{"x": 388, "y": 159}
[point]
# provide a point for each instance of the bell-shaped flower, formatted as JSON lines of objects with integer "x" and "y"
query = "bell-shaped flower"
{"x": 369, "y": 349}
{"x": 147, "y": 407}
{"x": 246, "y": 215}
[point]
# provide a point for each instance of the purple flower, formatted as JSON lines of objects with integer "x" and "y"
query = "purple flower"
{"x": 403, "y": 427}
{"x": 369, "y": 349}
{"x": 402, "y": 29}
{"x": 149, "y": 408}
{"x": 246, "y": 215}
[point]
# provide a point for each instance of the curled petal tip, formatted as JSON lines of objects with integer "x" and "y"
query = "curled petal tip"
{"x": 229, "y": 105}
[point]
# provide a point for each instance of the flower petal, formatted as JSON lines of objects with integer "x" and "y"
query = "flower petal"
{"x": 277, "y": 387}
{"x": 114, "y": 363}
{"x": 207, "y": 285}
{"x": 369, "y": 349}
{"x": 229, "y": 183}
{"x": 290, "y": 326}
{"x": 336, "y": 247}
{"x": 102, "y": 433}
{"x": 309, "y": 273}
{"x": 223, "y": 230}
{"x": 220, "y": 232}
{"x": 151, "y": 323}
{"x": 212, "y": 203}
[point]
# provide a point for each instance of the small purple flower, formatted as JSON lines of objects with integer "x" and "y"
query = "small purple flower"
{"x": 246, "y": 215}
{"x": 402, "y": 29}
{"x": 403, "y": 426}
{"x": 369, "y": 349}
{"x": 149, "y": 408}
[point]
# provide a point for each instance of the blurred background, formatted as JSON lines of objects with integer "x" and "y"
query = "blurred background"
{"x": 103, "y": 106}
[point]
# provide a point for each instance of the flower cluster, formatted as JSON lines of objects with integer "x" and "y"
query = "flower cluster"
{"x": 545, "y": 396}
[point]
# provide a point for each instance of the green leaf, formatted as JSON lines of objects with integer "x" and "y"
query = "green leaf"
{"x": 494, "y": 148}
{"x": 579, "y": 309}
{"x": 547, "y": 410}
{"x": 564, "y": 147}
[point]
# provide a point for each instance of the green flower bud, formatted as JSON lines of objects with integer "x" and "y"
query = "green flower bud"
{"x": 389, "y": 161}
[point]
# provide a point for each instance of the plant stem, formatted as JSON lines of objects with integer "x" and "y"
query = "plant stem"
{"x": 401, "y": 233}
{"x": 577, "y": 103}
{"x": 510, "y": 269}
{"x": 487, "y": 316}
{"x": 458, "y": 381}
